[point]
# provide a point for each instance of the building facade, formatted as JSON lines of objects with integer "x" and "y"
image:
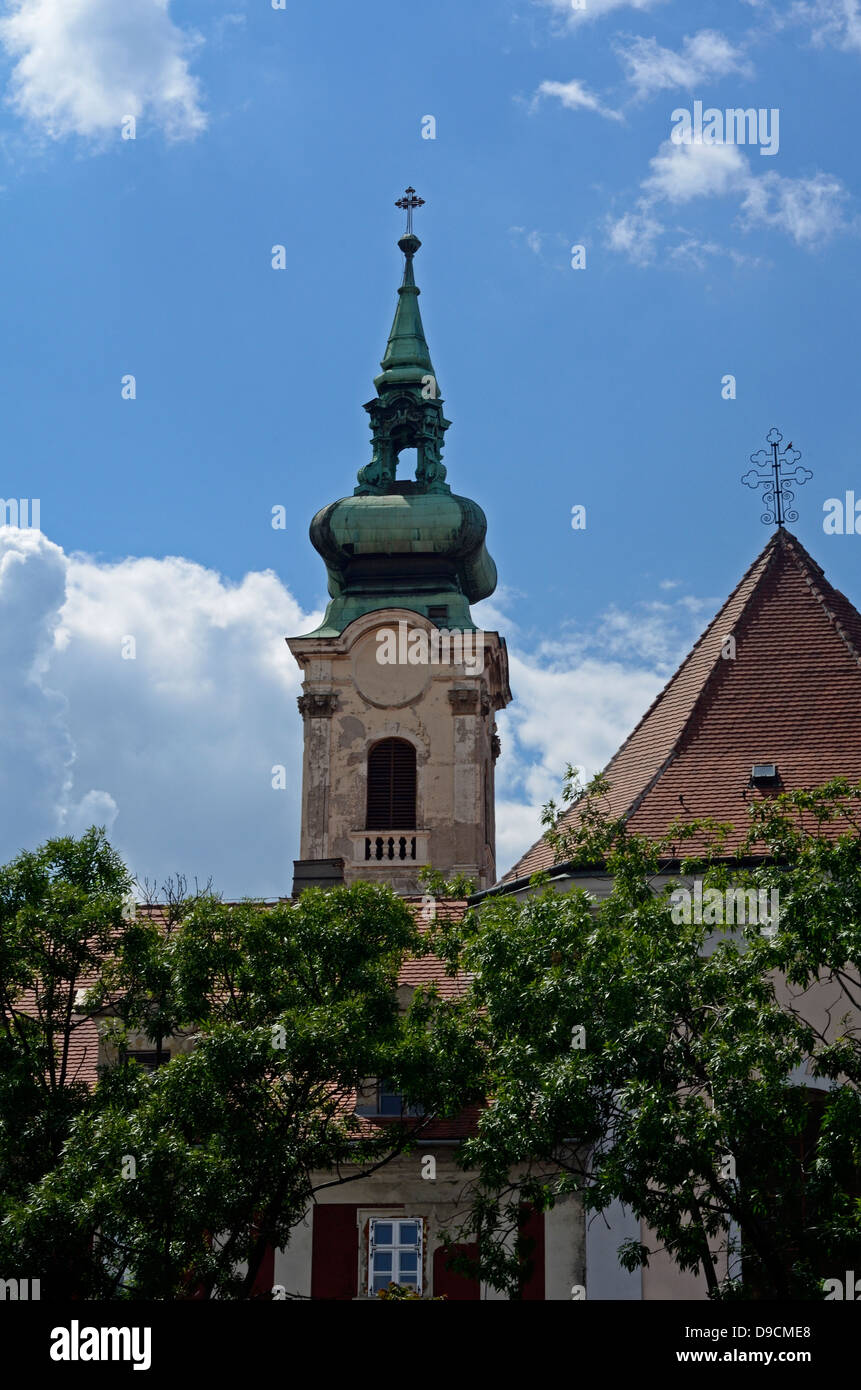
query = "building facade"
{"x": 399, "y": 698}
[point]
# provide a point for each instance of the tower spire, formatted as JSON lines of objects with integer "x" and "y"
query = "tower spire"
{"x": 407, "y": 410}
{"x": 407, "y": 352}
{"x": 407, "y": 543}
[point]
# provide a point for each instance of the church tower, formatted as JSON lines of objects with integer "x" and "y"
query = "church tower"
{"x": 400, "y": 688}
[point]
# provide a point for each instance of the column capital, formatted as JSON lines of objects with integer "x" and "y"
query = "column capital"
{"x": 469, "y": 700}
{"x": 318, "y": 704}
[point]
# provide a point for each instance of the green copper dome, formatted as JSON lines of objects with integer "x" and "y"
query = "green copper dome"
{"x": 404, "y": 544}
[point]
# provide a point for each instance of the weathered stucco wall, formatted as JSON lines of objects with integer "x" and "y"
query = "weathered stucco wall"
{"x": 446, "y": 711}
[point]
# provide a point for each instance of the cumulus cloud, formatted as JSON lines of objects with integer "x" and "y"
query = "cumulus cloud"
{"x": 170, "y": 741}
{"x": 682, "y": 172}
{"x": 36, "y": 750}
{"x": 172, "y": 748}
{"x": 651, "y": 68}
{"x": 574, "y": 96}
{"x": 81, "y": 66}
{"x": 576, "y": 710}
{"x": 810, "y": 210}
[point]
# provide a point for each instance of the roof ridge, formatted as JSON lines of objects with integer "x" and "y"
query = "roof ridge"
{"x": 806, "y": 563}
{"x": 649, "y": 767}
{"x": 764, "y": 558}
{"x": 756, "y": 572}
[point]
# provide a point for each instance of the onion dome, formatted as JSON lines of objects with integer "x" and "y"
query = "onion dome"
{"x": 400, "y": 543}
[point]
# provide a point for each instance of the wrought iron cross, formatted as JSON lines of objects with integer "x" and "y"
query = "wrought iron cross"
{"x": 408, "y": 203}
{"x": 776, "y": 471}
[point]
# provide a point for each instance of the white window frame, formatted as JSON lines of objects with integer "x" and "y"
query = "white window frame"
{"x": 396, "y": 1248}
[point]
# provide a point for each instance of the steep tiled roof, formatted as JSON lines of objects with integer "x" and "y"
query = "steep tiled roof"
{"x": 84, "y": 1053}
{"x": 83, "y": 1041}
{"x": 428, "y": 969}
{"x": 790, "y": 696}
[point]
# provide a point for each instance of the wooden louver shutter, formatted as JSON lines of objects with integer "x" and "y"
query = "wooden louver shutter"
{"x": 392, "y": 785}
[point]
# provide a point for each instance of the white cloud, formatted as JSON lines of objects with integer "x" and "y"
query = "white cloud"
{"x": 696, "y": 252}
{"x": 572, "y": 13}
{"x": 173, "y": 750}
{"x": 83, "y": 65}
{"x": 658, "y": 634}
{"x": 35, "y": 745}
{"x": 651, "y": 68}
{"x": 575, "y": 97}
{"x": 635, "y": 234}
{"x": 682, "y": 172}
{"x": 576, "y": 700}
{"x": 576, "y": 711}
{"x": 836, "y": 22}
{"x": 518, "y": 823}
{"x": 809, "y": 210}
{"x": 494, "y": 614}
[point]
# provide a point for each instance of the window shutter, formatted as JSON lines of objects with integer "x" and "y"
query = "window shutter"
{"x": 450, "y": 1284}
{"x": 392, "y": 785}
{"x": 334, "y": 1251}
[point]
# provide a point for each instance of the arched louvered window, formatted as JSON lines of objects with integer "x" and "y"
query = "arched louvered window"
{"x": 392, "y": 785}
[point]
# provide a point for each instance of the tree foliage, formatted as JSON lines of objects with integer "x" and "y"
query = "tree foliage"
{"x": 635, "y": 1057}
{"x": 173, "y": 1184}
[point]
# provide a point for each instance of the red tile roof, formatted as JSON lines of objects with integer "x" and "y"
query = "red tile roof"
{"x": 428, "y": 969}
{"x": 791, "y": 696}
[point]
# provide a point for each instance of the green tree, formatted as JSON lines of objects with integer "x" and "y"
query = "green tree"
{"x": 61, "y": 919}
{"x": 634, "y": 1056}
{"x": 173, "y": 1184}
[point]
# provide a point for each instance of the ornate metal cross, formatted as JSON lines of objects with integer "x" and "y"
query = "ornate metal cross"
{"x": 776, "y": 471}
{"x": 408, "y": 202}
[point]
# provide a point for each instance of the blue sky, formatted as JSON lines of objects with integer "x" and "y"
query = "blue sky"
{"x": 599, "y": 386}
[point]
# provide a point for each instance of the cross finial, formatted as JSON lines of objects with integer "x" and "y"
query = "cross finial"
{"x": 408, "y": 203}
{"x": 776, "y": 471}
